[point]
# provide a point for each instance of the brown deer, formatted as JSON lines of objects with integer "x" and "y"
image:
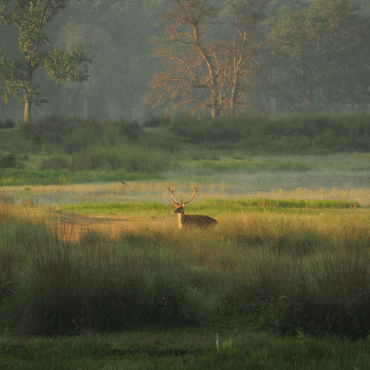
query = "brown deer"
{"x": 190, "y": 220}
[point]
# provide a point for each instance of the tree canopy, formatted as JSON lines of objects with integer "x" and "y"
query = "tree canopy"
{"x": 321, "y": 55}
{"x": 204, "y": 72}
{"x": 30, "y": 18}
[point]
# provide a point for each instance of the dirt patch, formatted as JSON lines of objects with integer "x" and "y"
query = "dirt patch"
{"x": 72, "y": 226}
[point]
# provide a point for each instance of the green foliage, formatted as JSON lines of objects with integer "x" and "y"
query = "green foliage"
{"x": 8, "y": 123}
{"x": 319, "y": 54}
{"x": 127, "y": 157}
{"x": 157, "y": 122}
{"x": 30, "y": 18}
{"x": 295, "y": 134}
{"x": 68, "y": 135}
{"x": 132, "y": 130}
{"x": 66, "y": 146}
{"x": 72, "y": 135}
{"x": 8, "y": 161}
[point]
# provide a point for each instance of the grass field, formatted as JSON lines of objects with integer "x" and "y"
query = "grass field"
{"x": 280, "y": 283}
{"x": 96, "y": 274}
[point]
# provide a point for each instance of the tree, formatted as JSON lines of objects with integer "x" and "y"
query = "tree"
{"x": 30, "y": 17}
{"x": 205, "y": 71}
{"x": 241, "y": 68}
{"x": 322, "y": 54}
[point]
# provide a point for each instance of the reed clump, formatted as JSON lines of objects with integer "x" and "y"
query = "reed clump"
{"x": 288, "y": 272}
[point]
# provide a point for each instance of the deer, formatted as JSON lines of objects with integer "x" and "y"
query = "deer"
{"x": 190, "y": 220}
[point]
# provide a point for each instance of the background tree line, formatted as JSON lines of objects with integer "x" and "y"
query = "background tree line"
{"x": 218, "y": 58}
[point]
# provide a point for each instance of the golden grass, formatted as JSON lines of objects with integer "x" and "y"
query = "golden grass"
{"x": 69, "y": 226}
{"x": 72, "y": 226}
{"x": 248, "y": 254}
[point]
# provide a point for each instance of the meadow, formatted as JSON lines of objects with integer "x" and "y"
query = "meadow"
{"x": 120, "y": 286}
{"x": 99, "y": 270}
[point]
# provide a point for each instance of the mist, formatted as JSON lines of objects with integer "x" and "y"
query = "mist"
{"x": 119, "y": 38}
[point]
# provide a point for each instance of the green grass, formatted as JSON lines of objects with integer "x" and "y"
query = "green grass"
{"x": 248, "y": 165}
{"x": 158, "y": 349}
{"x": 216, "y": 206}
{"x": 12, "y": 176}
{"x": 58, "y": 150}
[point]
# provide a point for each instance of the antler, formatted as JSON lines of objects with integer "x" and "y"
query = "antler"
{"x": 181, "y": 202}
{"x": 173, "y": 197}
{"x": 195, "y": 191}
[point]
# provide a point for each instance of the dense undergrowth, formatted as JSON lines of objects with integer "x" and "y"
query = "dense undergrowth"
{"x": 75, "y": 145}
{"x": 286, "y": 272}
{"x": 285, "y": 135}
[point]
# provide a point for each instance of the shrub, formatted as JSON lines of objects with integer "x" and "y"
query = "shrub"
{"x": 157, "y": 122}
{"x": 8, "y": 123}
{"x": 8, "y": 161}
{"x": 131, "y": 130}
{"x": 70, "y": 135}
{"x": 294, "y": 134}
{"x": 128, "y": 157}
{"x": 57, "y": 163}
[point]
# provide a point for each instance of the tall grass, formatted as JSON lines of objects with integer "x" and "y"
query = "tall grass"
{"x": 289, "y": 272}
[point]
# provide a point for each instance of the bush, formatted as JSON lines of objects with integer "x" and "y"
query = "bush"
{"x": 68, "y": 134}
{"x": 55, "y": 163}
{"x": 295, "y": 134}
{"x": 8, "y": 123}
{"x": 131, "y": 130}
{"x": 157, "y": 122}
{"x": 8, "y": 161}
{"x": 130, "y": 158}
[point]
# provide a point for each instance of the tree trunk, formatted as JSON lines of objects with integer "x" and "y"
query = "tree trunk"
{"x": 28, "y": 96}
{"x": 214, "y": 106}
{"x": 85, "y": 105}
{"x": 27, "y": 112}
{"x": 234, "y": 93}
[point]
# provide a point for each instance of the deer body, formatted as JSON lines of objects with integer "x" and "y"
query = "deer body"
{"x": 190, "y": 220}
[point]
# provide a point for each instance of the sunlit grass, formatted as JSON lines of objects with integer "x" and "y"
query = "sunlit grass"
{"x": 156, "y": 191}
{"x": 288, "y": 270}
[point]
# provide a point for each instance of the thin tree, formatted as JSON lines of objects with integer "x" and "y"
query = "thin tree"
{"x": 240, "y": 53}
{"x": 30, "y": 17}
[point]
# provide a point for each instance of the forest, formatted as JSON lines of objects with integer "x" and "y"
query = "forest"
{"x": 140, "y": 59}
